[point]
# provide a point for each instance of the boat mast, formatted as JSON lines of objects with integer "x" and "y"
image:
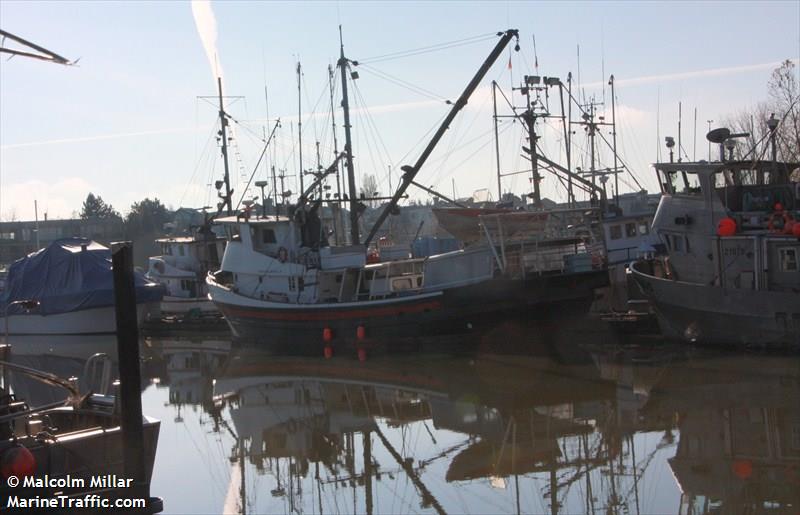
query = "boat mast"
{"x": 223, "y": 123}
{"x": 530, "y": 121}
{"x": 348, "y": 146}
{"x": 570, "y": 198}
{"x": 299, "y": 126}
{"x": 496, "y": 141}
{"x": 336, "y": 208}
{"x": 569, "y": 136}
{"x": 411, "y": 171}
{"x": 614, "y": 136}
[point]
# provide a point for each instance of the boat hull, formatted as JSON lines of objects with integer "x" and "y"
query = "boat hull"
{"x": 82, "y": 456}
{"x": 183, "y": 306}
{"x": 452, "y": 311}
{"x": 100, "y": 320}
{"x": 697, "y": 313}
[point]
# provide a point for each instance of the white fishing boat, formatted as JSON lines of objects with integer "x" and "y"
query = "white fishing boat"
{"x": 182, "y": 267}
{"x": 281, "y": 281}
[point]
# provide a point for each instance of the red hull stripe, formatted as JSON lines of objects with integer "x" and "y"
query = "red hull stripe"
{"x": 385, "y": 311}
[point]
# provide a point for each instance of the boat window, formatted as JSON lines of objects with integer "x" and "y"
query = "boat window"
{"x": 644, "y": 228}
{"x": 402, "y": 284}
{"x": 181, "y": 250}
{"x": 7, "y": 235}
{"x": 213, "y": 256}
{"x": 268, "y": 235}
{"x": 683, "y": 183}
{"x": 789, "y": 259}
{"x": 630, "y": 230}
{"x": 615, "y": 232}
{"x": 233, "y": 233}
{"x": 677, "y": 243}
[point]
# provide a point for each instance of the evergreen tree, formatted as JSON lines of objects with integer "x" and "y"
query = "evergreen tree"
{"x": 95, "y": 207}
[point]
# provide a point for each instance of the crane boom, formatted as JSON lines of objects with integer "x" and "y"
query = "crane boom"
{"x": 411, "y": 171}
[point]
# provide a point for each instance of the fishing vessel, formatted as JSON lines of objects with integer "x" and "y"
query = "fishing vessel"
{"x": 280, "y": 280}
{"x": 732, "y": 275}
{"x": 622, "y": 219}
{"x": 70, "y": 446}
{"x": 67, "y": 288}
{"x": 182, "y": 268}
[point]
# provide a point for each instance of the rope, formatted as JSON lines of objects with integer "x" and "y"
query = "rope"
{"x": 429, "y": 49}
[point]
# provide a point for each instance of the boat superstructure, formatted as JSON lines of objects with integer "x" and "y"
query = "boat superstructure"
{"x": 732, "y": 274}
{"x": 182, "y": 267}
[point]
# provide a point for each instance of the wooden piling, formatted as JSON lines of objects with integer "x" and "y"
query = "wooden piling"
{"x": 129, "y": 370}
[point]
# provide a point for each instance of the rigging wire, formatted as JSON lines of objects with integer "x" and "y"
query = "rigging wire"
{"x": 206, "y": 149}
{"x": 430, "y": 48}
{"x": 419, "y": 90}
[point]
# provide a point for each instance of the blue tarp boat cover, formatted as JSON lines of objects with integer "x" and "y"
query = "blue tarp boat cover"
{"x": 68, "y": 275}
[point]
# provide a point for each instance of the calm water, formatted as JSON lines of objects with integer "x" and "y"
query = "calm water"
{"x": 519, "y": 423}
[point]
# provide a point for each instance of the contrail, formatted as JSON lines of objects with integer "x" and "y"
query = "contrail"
{"x": 712, "y": 72}
{"x": 101, "y": 137}
{"x": 207, "y": 30}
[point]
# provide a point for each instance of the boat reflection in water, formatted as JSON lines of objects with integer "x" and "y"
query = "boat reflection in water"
{"x": 632, "y": 429}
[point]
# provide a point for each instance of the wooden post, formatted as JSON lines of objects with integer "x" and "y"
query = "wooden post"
{"x": 129, "y": 372}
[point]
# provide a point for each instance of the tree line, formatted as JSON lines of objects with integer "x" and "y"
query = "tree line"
{"x": 145, "y": 216}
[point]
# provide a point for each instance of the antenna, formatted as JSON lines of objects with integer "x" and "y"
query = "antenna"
{"x": 679, "y": 133}
{"x": 658, "y": 124}
{"x": 694, "y": 149}
{"x": 603, "y": 60}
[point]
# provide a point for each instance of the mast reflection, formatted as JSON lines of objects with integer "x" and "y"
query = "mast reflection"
{"x": 623, "y": 430}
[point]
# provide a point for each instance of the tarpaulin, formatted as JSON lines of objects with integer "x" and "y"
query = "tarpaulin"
{"x": 68, "y": 275}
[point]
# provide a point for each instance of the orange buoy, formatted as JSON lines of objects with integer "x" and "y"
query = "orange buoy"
{"x": 742, "y": 468}
{"x": 361, "y": 333}
{"x": 328, "y": 351}
{"x": 362, "y": 354}
{"x": 17, "y": 461}
{"x": 726, "y": 227}
{"x": 327, "y": 334}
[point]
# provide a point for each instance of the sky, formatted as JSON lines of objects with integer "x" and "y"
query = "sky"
{"x": 129, "y": 121}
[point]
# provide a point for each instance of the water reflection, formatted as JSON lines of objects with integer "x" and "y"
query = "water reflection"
{"x": 575, "y": 427}
{"x": 616, "y": 430}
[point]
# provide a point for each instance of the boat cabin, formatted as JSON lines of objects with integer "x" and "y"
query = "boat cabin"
{"x": 731, "y": 223}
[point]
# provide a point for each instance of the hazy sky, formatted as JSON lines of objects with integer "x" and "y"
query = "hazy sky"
{"x": 127, "y": 123}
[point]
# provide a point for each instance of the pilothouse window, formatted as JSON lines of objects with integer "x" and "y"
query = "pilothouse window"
{"x": 268, "y": 235}
{"x": 789, "y": 259}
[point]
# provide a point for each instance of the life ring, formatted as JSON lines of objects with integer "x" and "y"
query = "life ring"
{"x": 283, "y": 254}
{"x": 373, "y": 256}
{"x": 784, "y": 220}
